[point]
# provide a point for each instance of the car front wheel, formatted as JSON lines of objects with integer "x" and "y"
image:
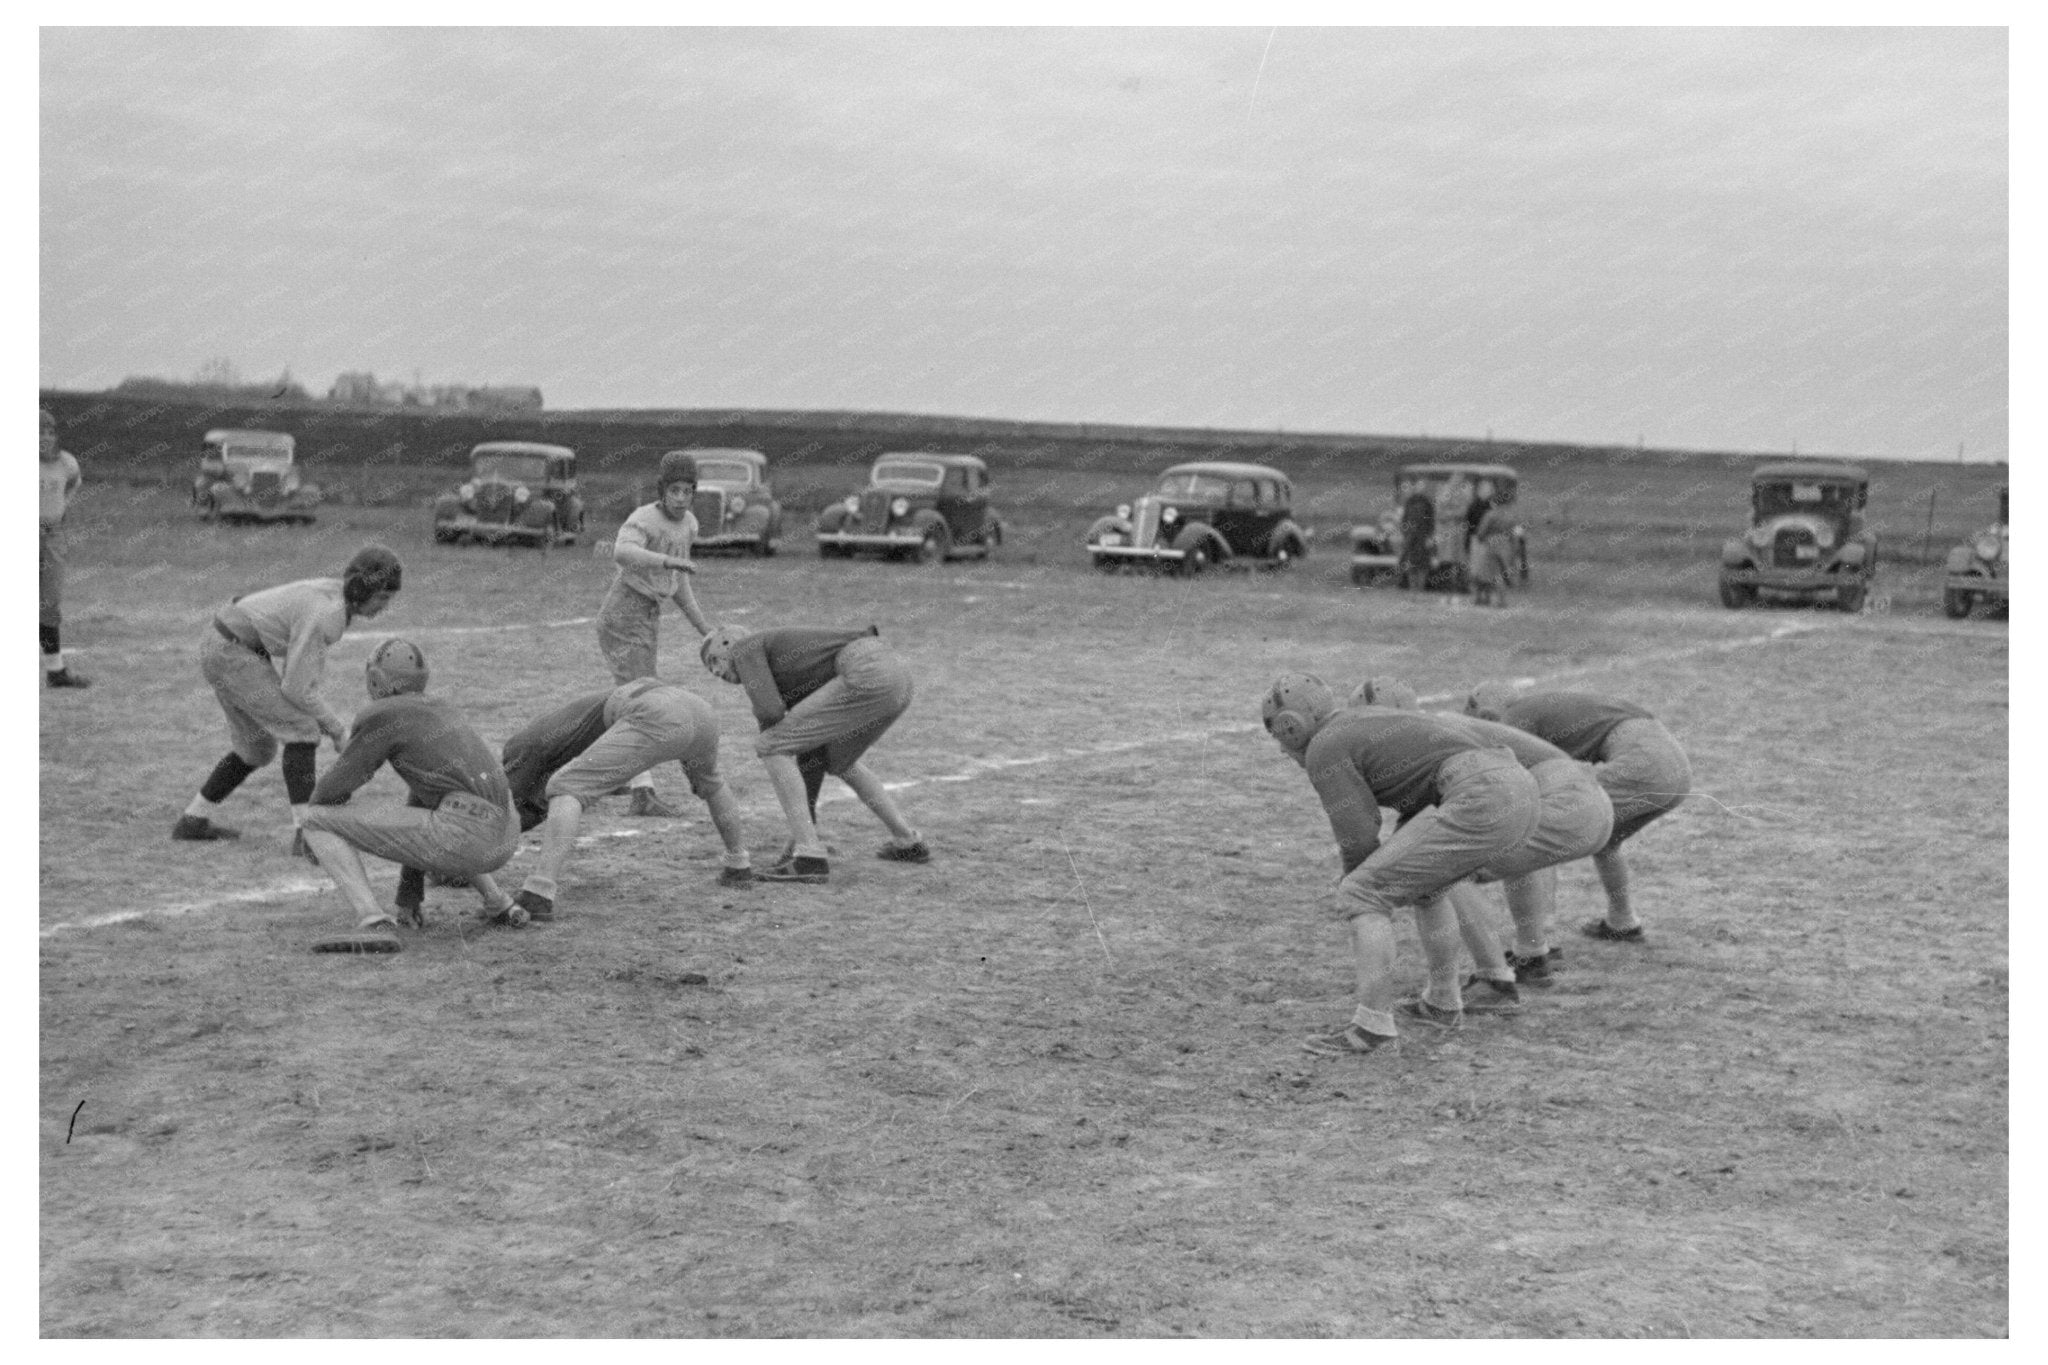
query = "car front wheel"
{"x": 1850, "y": 599}
{"x": 1196, "y": 558}
{"x": 937, "y": 541}
{"x": 1736, "y": 596}
{"x": 1955, "y": 603}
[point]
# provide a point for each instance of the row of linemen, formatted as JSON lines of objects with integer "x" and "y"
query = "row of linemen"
{"x": 1502, "y": 793}
{"x": 822, "y": 697}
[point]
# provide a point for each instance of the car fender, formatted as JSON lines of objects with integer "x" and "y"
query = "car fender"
{"x": 1290, "y": 529}
{"x": 832, "y": 518}
{"x": 1373, "y": 540}
{"x": 538, "y": 512}
{"x": 1855, "y": 554}
{"x": 1961, "y": 559}
{"x": 447, "y": 507}
{"x": 1197, "y": 531}
{"x": 1734, "y": 554}
{"x": 1119, "y": 525}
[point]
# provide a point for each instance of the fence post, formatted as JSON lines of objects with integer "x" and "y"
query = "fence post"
{"x": 1927, "y": 540}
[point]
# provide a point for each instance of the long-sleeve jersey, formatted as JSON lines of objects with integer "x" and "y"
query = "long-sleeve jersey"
{"x": 779, "y": 668}
{"x": 1576, "y": 722}
{"x": 296, "y": 623}
{"x": 1371, "y": 757}
{"x": 651, "y": 528}
{"x": 426, "y": 742}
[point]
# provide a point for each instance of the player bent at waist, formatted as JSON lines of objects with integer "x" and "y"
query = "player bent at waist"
{"x": 814, "y": 689}
{"x": 264, "y": 656}
{"x": 1638, "y": 763}
{"x": 1574, "y": 818}
{"x": 1464, "y": 805}
{"x": 585, "y": 748}
{"x": 457, "y": 822}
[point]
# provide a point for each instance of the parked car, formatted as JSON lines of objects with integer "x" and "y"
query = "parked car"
{"x": 249, "y": 476}
{"x": 520, "y": 492}
{"x": 1424, "y": 540}
{"x": 919, "y": 504}
{"x": 1807, "y": 539}
{"x": 735, "y": 506}
{"x": 1978, "y": 571}
{"x": 1203, "y": 514}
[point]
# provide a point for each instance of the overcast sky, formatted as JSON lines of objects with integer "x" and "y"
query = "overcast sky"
{"x": 1746, "y": 239}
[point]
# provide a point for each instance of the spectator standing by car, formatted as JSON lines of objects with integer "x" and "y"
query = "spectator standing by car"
{"x": 814, "y": 689}
{"x": 1638, "y": 762}
{"x": 1492, "y": 554}
{"x": 264, "y": 658}
{"x": 60, "y": 481}
{"x": 1464, "y": 805}
{"x": 1418, "y": 537}
{"x": 652, "y": 552}
{"x": 1475, "y": 511}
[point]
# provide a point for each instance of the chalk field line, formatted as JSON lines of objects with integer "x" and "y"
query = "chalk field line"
{"x": 976, "y": 768}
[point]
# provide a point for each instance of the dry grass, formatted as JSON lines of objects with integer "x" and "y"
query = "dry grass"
{"x": 1049, "y": 1085}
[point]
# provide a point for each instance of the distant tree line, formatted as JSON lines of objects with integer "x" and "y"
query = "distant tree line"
{"x": 218, "y": 382}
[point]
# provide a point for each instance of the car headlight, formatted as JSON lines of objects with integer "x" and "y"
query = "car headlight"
{"x": 899, "y": 507}
{"x": 1824, "y": 537}
{"x": 852, "y": 503}
{"x": 739, "y": 505}
{"x": 1986, "y": 547}
{"x": 467, "y": 492}
{"x": 521, "y": 494}
{"x": 1169, "y": 516}
{"x": 1123, "y": 511}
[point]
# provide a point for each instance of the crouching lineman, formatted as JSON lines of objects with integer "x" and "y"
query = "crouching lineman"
{"x": 1636, "y": 760}
{"x": 814, "y": 689}
{"x": 1574, "y": 819}
{"x": 586, "y": 748}
{"x": 1463, "y": 805}
{"x": 457, "y": 821}
{"x": 264, "y": 659}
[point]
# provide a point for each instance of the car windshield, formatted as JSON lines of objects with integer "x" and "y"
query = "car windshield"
{"x": 909, "y": 471}
{"x": 1778, "y": 497}
{"x": 256, "y": 460}
{"x": 510, "y": 466}
{"x": 724, "y": 471}
{"x": 1189, "y": 487}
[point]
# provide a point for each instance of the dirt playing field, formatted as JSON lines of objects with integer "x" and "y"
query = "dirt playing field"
{"x": 1052, "y": 1083}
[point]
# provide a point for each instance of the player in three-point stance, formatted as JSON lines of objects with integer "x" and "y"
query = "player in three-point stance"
{"x": 457, "y": 821}
{"x": 1463, "y": 805}
{"x": 652, "y": 552}
{"x": 1574, "y": 819}
{"x": 264, "y": 658}
{"x": 586, "y": 748}
{"x": 60, "y": 481}
{"x": 826, "y": 694}
{"x": 1638, "y": 762}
